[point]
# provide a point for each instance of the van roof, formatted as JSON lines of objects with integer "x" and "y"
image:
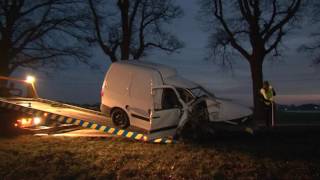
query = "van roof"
{"x": 164, "y": 70}
{"x": 168, "y": 74}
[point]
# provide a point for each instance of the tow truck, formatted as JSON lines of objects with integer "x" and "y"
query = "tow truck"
{"x": 22, "y": 108}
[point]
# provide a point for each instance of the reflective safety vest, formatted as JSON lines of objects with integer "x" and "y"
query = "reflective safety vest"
{"x": 267, "y": 95}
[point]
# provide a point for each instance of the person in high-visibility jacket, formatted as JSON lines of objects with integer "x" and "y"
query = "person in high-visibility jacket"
{"x": 268, "y": 93}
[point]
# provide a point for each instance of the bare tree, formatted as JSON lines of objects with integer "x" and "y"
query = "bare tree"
{"x": 314, "y": 45}
{"x": 141, "y": 27}
{"x": 252, "y": 28}
{"x": 35, "y": 33}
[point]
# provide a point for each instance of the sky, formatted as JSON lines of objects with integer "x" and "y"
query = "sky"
{"x": 293, "y": 76}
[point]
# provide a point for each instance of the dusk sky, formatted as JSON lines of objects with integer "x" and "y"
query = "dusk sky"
{"x": 294, "y": 77}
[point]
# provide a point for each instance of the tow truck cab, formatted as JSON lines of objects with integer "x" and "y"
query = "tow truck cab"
{"x": 11, "y": 89}
{"x": 155, "y": 98}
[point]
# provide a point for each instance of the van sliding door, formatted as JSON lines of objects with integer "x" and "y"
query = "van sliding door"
{"x": 140, "y": 99}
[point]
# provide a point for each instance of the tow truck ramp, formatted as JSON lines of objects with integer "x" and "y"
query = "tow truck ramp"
{"x": 67, "y": 114}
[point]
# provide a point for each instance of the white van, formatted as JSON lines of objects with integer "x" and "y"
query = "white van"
{"x": 153, "y": 97}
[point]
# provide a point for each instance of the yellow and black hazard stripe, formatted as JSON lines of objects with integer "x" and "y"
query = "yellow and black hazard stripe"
{"x": 86, "y": 124}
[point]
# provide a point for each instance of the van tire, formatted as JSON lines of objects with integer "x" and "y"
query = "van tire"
{"x": 120, "y": 118}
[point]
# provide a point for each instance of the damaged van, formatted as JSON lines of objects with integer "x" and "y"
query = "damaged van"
{"x": 153, "y": 97}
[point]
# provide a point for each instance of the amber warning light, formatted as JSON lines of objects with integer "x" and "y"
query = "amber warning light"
{"x": 28, "y": 122}
{"x": 30, "y": 79}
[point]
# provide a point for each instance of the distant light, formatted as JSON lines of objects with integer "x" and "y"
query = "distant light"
{"x": 36, "y": 120}
{"x": 30, "y": 79}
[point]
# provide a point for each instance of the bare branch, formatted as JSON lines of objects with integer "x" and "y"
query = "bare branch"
{"x": 34, "y": 28}
{"x": 276, "y": 42}
{"x": 290, "y": 13}
{"x": 138, "y": 28}
{"x": 104, "y": 47}
{"x": 218, "y": 12}
{"x": 268, "y": 25}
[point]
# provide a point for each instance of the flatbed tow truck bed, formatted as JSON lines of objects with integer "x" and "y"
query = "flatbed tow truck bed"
{"x": 68, "y": 114}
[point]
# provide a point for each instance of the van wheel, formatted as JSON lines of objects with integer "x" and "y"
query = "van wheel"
{"x": 120, "y": 118}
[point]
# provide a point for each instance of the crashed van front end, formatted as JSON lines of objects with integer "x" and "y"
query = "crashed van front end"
{"x": 221, "y": 110}
{"x": 227, "y": 111}
{"x": 203, "y": 111}
{"x": 207, "y": 114}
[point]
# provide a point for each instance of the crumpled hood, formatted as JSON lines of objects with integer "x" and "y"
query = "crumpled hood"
{"x": 223, "y": 110}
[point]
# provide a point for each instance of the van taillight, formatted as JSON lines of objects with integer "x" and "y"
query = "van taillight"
{"x": 102, "y": 89}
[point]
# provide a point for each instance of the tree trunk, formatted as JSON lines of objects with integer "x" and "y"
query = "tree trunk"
{"x": 4, "y": 70}
{"x": 4, "y": 61}
{"x": 126, "y": 34}
{"x": 257, "y": 81}
{"x": 5, "y": 46}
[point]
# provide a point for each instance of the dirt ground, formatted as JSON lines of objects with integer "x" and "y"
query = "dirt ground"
{"x": 278, "y": 154}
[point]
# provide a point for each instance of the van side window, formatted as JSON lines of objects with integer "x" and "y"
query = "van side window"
{"x": 170, "y": 99}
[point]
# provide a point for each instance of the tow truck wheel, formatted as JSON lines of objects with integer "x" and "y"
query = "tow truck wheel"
{"x": 120, "y": 118}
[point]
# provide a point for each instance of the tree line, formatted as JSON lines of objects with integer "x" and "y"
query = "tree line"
{"x": 37, "y": 33}
{"x": 48, "y": 33}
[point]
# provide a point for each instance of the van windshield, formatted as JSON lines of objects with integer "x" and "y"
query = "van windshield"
{"x": 185, "y": 95}
{"x": 200, "y": 91}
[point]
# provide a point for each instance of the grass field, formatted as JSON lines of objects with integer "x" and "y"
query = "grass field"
{"x": 304, "y": 117}
{"x": 281, "y": 153}
{"x": 276, "y": 155}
